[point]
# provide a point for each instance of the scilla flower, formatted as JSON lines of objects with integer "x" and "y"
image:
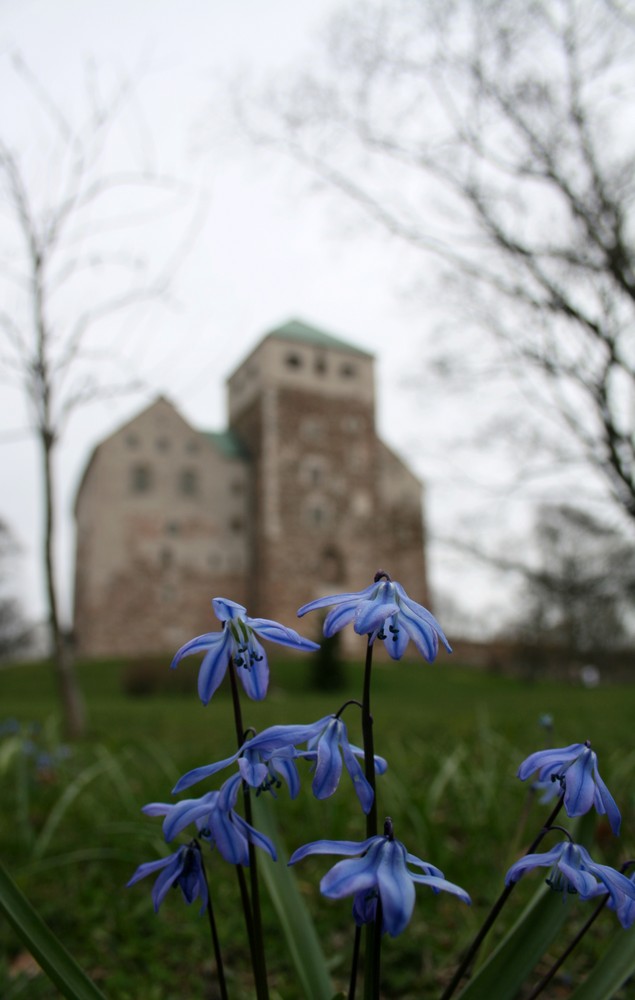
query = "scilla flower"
{"x": 574, "y": 870}
{"x": 383, "y": 611}
{"x": 576, "y": 769}
{"x": 377, "y": 870}
{"x": 216, "y": 822}
{"x": 184, "y": 868}
{"x": 238, "y": 640}
{"x": 275, "y": 750}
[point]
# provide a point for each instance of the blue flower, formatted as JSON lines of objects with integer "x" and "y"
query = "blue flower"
{"x": 184, "y": 868}
{"x": 238, "y": 640}
{"x": 377, "y": 869}
{"x": 626, "y": 908}
{"x": 574, "y": 870}
{"x": 576, "y": 768}
{"x": 332, "y": 749}
{"x": 216, "y": 822}
{"x": 274, "y": 750}
{"x": 383, "y": 611}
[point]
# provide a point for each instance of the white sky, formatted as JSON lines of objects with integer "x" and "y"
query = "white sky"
{"x": 269, "y": 250}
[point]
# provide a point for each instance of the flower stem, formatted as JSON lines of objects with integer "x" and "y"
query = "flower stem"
{"x": 369, "y": 749}
{"x": 215, "y": 940}
{"x": 256, "y": 937}
{"x": 373, "y": 930}
{"x": 470, "y": 954}
{"x": 352, "y": 986}
{"x": 546, "y": 979}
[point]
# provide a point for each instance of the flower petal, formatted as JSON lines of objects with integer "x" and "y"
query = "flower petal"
{"x": 396, "y": 891}
{"x": 329, "y": 762}
{"x": 345, "y": 847}
{"x": 226, "y": 610}
{"x": 327, "y": 602}
{"x": 214, "y": 666}
{"x": 284, "y": 636}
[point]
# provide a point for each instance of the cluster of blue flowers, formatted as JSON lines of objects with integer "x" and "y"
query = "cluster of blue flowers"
{"x": 573, "y": 770}
{"x": 378, "y": 872}
{"x": 377, "y": 869}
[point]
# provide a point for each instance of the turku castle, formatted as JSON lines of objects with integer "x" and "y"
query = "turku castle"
{"x": 297, "y": 498}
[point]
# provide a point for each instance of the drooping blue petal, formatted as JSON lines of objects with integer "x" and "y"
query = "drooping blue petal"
{"x": 351, "y": 876}
{"x": 530, "y": 861}
{"x": 419, "y": 611}
{"x": 396, "y": 638}
{"x": 157, "y": 808}
{"x": 371, "y": 615}
{"x": 166, "y": 880}
{"x": 149, "y": 867}
{"x": 214, "y": 665}
{"x": 280, "y": 634}
{"x": 255, "y": 676}
{"x": 226, "y": 610}
{"x": 381, "y": 764}
{"x": 329, "y": 762}
{"x": 422, "y": 634}
{"x": 441, "y": 885}
{"x": 287, "y": 769}
{"x": 228, "y": 793}
{"x": 187, "y": 811}
{"x": 252, "y": 770}
{"x": 327, "y": 602}
{"x": 197, "y": 645}
{"x": 339, "y": 618}
{"x": 396, "y": 891}
{"x": 547, "y": 760}
{"x": 348, "y": 848}
{"x": 579, "y": 787}
{"x": 184, "y": 868}
{"x": 255, "y": 836}
{"x": 425, "y": 866}
{"x": 229, "y": 838}
{"x": 200, "y": 773}
{"x": 570, "y": 864}
{"x": 362, "y": 787}
{"x": 605, "y": 803}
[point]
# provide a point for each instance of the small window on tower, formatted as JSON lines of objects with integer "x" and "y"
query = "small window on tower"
{"x": 293, "y": 361}
{"x": 347, "y": 370}
{"x": 188, "y": 483}
{"x": 140, "y": 478}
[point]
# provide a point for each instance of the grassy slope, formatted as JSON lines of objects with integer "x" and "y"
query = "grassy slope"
{"x": 453, "y": 739}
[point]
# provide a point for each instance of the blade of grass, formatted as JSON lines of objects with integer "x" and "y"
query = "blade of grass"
{"x": 299, "y": 931}
{"x": 611, "y": 971}
{"x": 45, "y": 947}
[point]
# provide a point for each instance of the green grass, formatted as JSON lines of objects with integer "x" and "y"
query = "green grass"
{"x": 72, "y": 834}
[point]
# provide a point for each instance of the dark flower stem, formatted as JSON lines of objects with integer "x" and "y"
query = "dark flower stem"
{"x": 373, "y": 930}
{"x": 369, "y": 748}
{"x": 546, "y": 979}
{"x": 256, "y": 937}
{"x": 352, "y": 986}
{"x": 470, "y": 954}
{"x": 215, "y": 940}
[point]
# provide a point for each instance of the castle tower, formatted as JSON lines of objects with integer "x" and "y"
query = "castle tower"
{"x": 329, "y": 503}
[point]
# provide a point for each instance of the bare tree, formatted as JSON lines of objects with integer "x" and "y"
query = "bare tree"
{"x": 496, "y": 137}
{"x": 74, "y": 220}
{"x": 581, "y": 594}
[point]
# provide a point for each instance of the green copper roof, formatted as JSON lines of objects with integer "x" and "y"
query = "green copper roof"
{"x": 226, "y": 443}
{"x": 299, "y": 332}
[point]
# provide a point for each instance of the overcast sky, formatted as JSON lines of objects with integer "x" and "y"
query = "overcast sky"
{"x": 268, "y": 248}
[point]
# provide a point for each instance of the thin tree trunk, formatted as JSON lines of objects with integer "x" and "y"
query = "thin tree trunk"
{"x": 71, "y": 700}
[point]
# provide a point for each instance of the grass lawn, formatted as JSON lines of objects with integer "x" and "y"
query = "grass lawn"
{"x": 72, "y": 833}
